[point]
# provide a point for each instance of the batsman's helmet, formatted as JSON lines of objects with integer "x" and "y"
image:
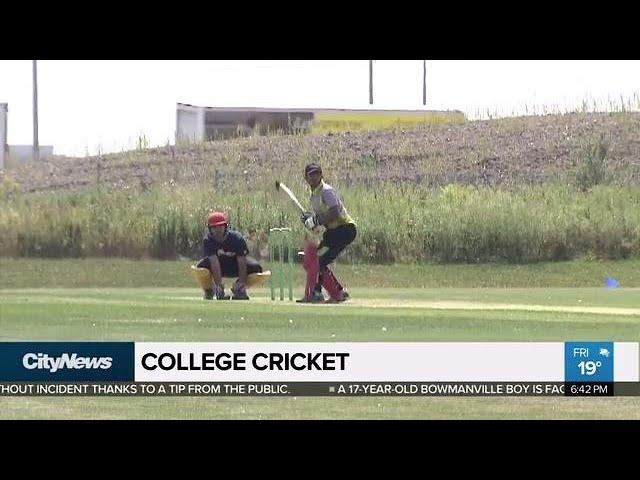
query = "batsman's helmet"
{"x": 217, "y": 218}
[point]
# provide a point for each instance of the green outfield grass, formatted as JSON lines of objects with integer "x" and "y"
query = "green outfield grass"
{"x": 166, "y": 314}
{"x": 117, "y": 272}
{"x": 302, "y": 408}
{"x": 538, "y": 304}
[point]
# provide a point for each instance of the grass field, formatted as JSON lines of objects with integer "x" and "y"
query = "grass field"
{"x": 49, "y": 300}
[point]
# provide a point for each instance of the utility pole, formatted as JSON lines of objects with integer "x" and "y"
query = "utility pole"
{"x": 3, "y": 132}
{"x": 370, "y": 82}
{"x": 36, "y": 148}
{"x": 424, "y": 82}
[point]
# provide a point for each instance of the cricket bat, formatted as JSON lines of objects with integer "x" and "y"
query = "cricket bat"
{"x": 281, "y": 187}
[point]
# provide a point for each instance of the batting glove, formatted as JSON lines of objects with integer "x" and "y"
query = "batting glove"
{"x": 311, "y": 222}
{"x": 305, "y": 215}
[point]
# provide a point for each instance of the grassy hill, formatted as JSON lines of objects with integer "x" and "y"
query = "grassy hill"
{"x": 483, "y": 153}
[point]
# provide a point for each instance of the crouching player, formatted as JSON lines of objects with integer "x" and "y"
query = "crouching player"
{"x": 226, "y": 256}
{"x": 340, "y": 231}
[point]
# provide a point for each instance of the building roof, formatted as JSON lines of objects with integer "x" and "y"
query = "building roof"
{"x": 310, "y": 110}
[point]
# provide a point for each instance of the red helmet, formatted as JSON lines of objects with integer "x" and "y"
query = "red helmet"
{"x": 217, "y": 218}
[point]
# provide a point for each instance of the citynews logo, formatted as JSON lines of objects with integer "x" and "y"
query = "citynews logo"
{"x": 42, "y": 361}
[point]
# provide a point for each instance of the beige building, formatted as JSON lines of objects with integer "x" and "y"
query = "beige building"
{"x": 200, "y": 124}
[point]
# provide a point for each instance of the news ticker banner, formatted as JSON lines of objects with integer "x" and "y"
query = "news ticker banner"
{"x": 319, "y": 369}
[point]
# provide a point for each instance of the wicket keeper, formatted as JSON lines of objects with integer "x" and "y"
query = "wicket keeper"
{"x": 340, "y": 231}
{"x": 226, "y": 255}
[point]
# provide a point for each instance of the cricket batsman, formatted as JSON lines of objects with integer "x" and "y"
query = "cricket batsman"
{"x": 340, "y": 231}
{"x": 226, "y": 255}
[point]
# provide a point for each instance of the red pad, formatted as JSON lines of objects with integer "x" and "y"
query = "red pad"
{"x": 331, "y": 284}
{"x": 310, "y": 264}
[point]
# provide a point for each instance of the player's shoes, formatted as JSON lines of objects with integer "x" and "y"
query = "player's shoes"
{"x": 220, "y": 294}
{"x": 344, "y": 296}
{"x": 239, "y": 293}
{"x": 315, "y": 297}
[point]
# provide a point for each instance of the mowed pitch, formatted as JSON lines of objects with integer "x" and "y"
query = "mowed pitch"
{"x": 374, "y": 314}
